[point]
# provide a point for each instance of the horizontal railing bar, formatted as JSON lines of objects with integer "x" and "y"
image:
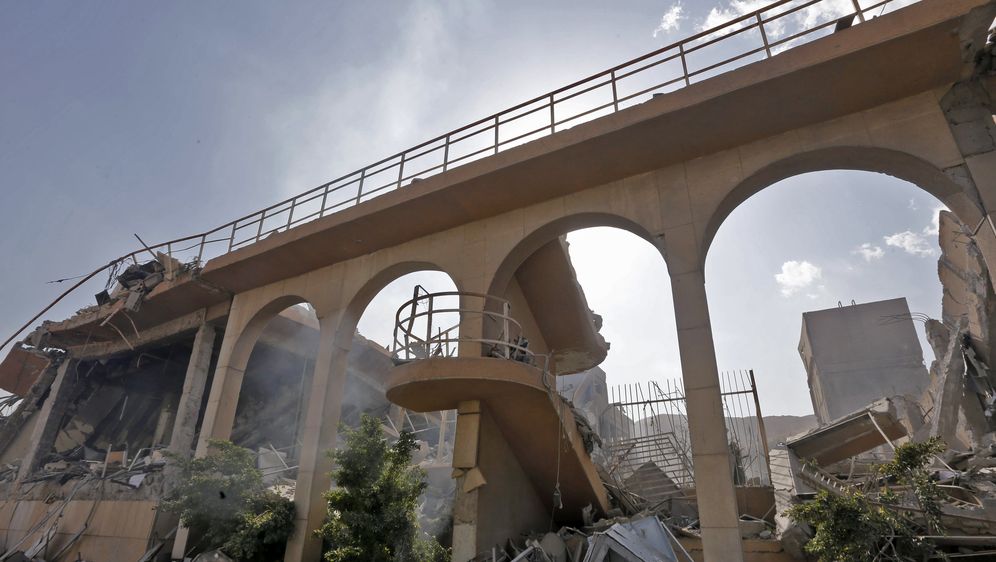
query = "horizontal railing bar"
{"x": 588, "y": 112}
{"x": 515, "y": 118}
{"x": 726, "y": 62}
{"x": 791, "y": 10}
{"x": 526, "y": 134}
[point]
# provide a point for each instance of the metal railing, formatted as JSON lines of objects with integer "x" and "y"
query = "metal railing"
{"x": 428, "y": 326}
{"x": 649, "y": 424}
{"x": 752, "y": 36}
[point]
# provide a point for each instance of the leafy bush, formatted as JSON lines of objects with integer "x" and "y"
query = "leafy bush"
{"x": 854, "y": 527}
{"x": 372, "y": 511}
{"x": 221, "y": 497}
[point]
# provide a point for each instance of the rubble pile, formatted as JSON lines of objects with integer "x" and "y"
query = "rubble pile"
{"x": 641, "y": 538}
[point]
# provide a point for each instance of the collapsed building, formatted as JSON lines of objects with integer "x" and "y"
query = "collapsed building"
{"x": 174, "y": 355}
{"x": 872, "y": 392}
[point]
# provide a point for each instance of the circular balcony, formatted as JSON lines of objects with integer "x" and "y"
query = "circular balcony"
{"x": 428, "y": 326}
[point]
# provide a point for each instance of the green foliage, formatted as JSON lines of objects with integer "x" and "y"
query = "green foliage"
{"x": 262, "y": 530}
{"x": 850, "y": 528}
{"x": 222, "y": 498}
{"x": 907, "y": 467}
{"x": 854, "y": 527}
{"x": 371, "y": 512}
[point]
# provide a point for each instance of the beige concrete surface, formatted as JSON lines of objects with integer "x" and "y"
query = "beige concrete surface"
{"x": 654, "y": 170}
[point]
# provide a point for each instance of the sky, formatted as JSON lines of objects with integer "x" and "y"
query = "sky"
{"x": 166, "y": 119}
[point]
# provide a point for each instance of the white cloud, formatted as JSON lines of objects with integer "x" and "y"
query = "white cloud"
{"x": 869, "y": 251}
{"x": 796, "y": 276}
{"x": 935, "y": 222}
{"x": 913, "y": 204}
{"x": 671, "y": 20}
{"x": 912, "y": 243}
{"x": 801, "y": 19}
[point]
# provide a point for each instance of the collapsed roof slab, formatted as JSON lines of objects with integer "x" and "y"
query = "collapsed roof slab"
{"x": 21, "y": 368}
{"x": 851, "y": 435}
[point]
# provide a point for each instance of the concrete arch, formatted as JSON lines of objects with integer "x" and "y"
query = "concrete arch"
{"x": 358, "y": 302}
{"x": 898, "y": 164}
{"x": 253, "y": 328}
{"x": 534, "y": 240}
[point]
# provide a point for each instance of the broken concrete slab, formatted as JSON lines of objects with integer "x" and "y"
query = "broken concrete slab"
{"x": 861, "y": 431}
{"x": 21, "y": 368}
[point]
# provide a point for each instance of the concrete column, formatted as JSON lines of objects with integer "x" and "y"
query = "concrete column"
{"x": 968, "y": 108}
{"x": 185, "y": 427}
{"x": 219, "y": 415}
{"x": 49, "y": 418}
{"x": 465, "y": 451}
{"x": 716, "y": 497}
{"x": 319, "y": 437}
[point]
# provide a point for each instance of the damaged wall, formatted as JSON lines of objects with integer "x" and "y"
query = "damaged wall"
{"x": 856, "y": 354}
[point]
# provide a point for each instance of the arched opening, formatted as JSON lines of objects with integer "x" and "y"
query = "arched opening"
{"x": 369, "y": 328}
{"x": 633, "y": 395}
{"x": 822, "y": 282}
{"x": 273, "y": 398}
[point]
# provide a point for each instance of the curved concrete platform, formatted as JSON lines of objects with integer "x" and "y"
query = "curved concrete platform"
{"x": 531, "y": 427}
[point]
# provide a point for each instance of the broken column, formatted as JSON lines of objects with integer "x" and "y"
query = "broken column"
{"x": 49, "y": 418}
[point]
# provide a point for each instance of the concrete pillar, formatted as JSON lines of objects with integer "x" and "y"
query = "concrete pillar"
{"x": 465, "y": 448}
{"x": 182, "y": 439}
{"x": 219, "y": 415}
{"x": 318, "y": 437}
{"x": 968, "y": 108}
{"x": 185, "y": 427}
{"x": 49, "y": 418}
{"x": 716, "y": 497}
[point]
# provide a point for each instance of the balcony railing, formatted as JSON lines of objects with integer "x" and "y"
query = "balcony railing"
{"x": 428, "y": 326}
{"x": 748, "y": 38}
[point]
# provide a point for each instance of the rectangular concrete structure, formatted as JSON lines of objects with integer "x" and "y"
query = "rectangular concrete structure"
{"x": 857, "y": 354}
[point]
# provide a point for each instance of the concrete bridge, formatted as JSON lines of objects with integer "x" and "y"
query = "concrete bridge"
{"x": 905, "y": 94}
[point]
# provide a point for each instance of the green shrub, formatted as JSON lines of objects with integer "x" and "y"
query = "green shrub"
{"x": 221, "y": 497}
{"x": 855, "y": 527}
{"x": 372, "y": 510}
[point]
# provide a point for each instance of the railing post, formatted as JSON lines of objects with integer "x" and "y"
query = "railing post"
{"x": 200, "y": 251}
{"x": 505, "y": 311}
{"x": 325, "y": 197}
{"x": 446, "y": 153}
{"x": 764, "y": 36}
{"x": 231, "y": 239}
{"x": 290, "y": 213}
{"x": 428, "y": 327}
{"x": 615, "y": 92}
{"x": 496, "y": 134}
{"x": 359, "y": 188}
{"x": 553, "y": 118}
{"x": 259, "y": 230}
{"x": 858, "y": 11}
{"x": 763, "y": 434}
{"x": 401, "y": 168}
{"x": 684, "y": 63}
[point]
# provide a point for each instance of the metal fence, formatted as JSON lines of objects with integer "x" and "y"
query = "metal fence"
{"x": 645, "y": 429}
{"x": 750, "y": 37}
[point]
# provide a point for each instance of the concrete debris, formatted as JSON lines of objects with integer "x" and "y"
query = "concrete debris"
{"x": 642, "y": 538}
{"x": 22, "y": 367}
{"x": 213, "y": 556}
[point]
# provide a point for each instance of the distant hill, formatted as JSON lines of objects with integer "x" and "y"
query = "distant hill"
{"x": 779, "y": 428}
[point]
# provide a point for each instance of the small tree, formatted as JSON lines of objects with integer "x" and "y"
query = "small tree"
{"x": 222, "y": 498}
{"x": 855, "y": 527}
{"x": 372, "y": 511}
